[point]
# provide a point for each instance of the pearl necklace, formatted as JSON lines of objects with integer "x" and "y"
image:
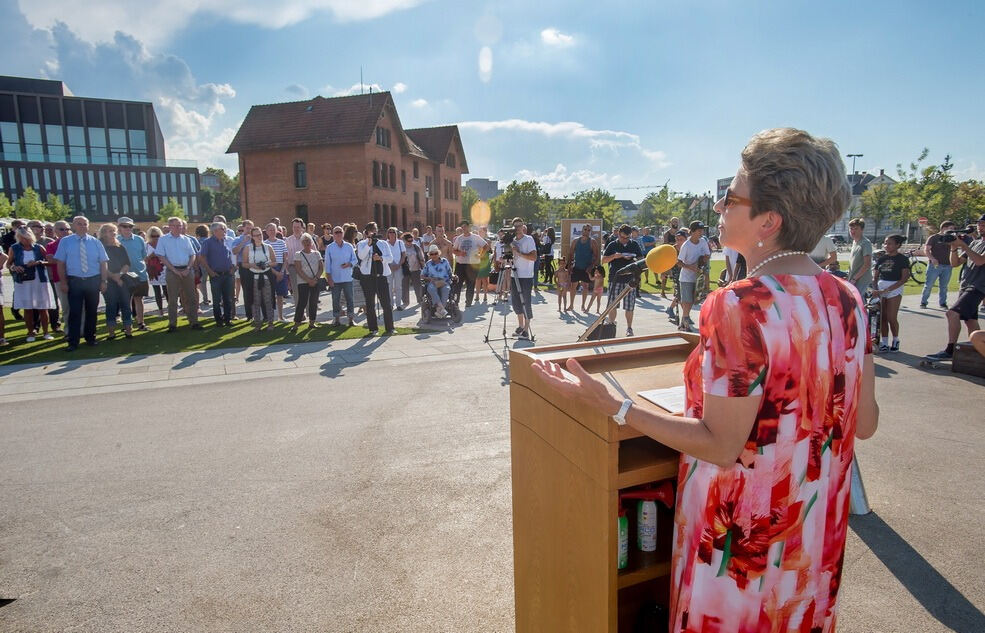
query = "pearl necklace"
{"x": 771, "y": 258}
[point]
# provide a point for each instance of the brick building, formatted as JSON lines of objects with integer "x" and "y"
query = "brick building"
{"x": 347, "y": 159}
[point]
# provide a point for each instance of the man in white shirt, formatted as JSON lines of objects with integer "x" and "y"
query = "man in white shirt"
{"x": 524, "y": 251}
{"x": 427, "y": 238}
{"x": 468, "y": 249}
{"x": 293, "y": 248}
{"x": 374, "y": 263}
{"x": 690, "y": 260}
{"x": 179, "y": 253}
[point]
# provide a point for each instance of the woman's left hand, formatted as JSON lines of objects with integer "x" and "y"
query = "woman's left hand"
{"x": 579, "y": 385}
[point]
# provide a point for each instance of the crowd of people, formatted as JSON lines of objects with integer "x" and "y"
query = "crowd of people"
{"x": 60, "y": 271}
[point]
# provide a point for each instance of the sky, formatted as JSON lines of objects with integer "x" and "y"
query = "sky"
{"x": 624, "y": 95}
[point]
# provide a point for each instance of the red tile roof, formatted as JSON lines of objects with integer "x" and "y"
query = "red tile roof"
{"x": 338, "y": 120}
{"x": 317, "y": 121}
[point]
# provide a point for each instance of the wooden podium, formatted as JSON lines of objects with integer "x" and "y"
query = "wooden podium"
{"x": 569, "y": 463}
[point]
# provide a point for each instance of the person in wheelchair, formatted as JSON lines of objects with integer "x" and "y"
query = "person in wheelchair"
{"x": 437, "y": 279}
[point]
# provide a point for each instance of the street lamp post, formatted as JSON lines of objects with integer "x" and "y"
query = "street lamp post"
{"x": 853, "y": 157}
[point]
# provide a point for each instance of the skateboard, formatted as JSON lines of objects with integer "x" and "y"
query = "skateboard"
{"x": 935, "y": 363}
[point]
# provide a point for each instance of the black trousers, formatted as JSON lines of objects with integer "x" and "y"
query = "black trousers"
{"x": 307, "y": 298}
{"x": 374, "y": 287}
{"x": 246, "y": 283}
{"x": 467, "y": 274}
{"x": 82, "y": 291}
{"x": 222, "y": 296}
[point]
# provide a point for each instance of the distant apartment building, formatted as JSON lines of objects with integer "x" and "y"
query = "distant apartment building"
{"x": 486, "y": 189}
{"x": 347, "y": 159}
{"x": 103, "y": 157}
{"x": 860, "y": 183}
{"x": 629, "y": 209}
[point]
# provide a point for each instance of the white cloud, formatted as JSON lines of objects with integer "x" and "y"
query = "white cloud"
{"x": 155, "y": 22}
{"x": 597, "y": 139}
{"x": 561, "y": 181}
{"x": 297, "y": 90}
{"x": 419, "y": 103}
{"x": 485, "y": 64}
{"x": 399, "y": 87}
{"x": 554, "y": 37}
{"x": 356, "y": 89}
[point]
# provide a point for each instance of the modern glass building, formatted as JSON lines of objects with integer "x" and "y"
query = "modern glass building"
{"x": 104, "y": 157}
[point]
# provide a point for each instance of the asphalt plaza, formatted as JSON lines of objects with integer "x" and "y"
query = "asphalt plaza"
{"x": 365, "y": 485}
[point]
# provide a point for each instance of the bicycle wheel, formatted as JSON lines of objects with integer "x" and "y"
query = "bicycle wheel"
{"x": 918, "y": 271}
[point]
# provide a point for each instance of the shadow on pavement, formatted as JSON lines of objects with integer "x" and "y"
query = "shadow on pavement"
{"x": 939, "y": 597}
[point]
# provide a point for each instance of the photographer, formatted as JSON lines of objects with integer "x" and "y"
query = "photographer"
{"x": 619, "y": 253}
{"x": 524, "y": 252}
{"x": 375, "y": 258}
{"x": 938, "y": 265}
{"x": 972, "y": 289}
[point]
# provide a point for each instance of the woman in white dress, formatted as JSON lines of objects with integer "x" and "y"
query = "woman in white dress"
{"x": 159, "y": 281}
{"x": 32, "y": 292}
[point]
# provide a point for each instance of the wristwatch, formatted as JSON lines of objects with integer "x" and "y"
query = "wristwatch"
{"x": 620, "y": 417}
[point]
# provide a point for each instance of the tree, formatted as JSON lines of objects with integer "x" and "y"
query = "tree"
{"x": 598, "y": 203}
{"x": 29, "y": 206}
{"x": 521, "y": 199}
{"x": 660, "y": 206}
{"x": 6, "y": 209}
{"x": 226, "y": 200}
{"x": 56, "y": 209}
{"x": 171, "y": 209}
{"x": 469, "y": 197}
{"x": 969, "y": 201}
{"x": 875, "y": 204}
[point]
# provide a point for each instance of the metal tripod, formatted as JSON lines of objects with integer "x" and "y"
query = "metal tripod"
{"x": 502, "y": 296}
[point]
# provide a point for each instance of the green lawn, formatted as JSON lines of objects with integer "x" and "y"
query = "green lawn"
{"x": 157, "y": 341}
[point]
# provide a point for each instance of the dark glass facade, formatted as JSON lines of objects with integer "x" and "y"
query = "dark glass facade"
{"x": 104, "y": 158}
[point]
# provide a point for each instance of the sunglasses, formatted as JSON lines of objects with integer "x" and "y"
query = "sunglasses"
{"x": 732, "y": 198}
{"x": 336, "y": 232}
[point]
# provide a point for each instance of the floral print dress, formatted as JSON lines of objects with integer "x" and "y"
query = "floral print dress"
{"x": 759, "y": 545}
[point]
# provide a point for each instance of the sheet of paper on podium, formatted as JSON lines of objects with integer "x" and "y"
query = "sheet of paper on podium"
{"x": 672, "y": 399}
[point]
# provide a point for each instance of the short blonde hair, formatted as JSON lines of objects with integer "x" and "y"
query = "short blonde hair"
{"x": 154, "y": 231}
{"x": 800, "y": 177}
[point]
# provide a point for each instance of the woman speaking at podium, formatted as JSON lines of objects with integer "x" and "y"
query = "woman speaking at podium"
{"x": 778, "y": 389}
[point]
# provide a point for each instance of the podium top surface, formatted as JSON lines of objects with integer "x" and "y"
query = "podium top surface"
{"x": 629, "y": 365}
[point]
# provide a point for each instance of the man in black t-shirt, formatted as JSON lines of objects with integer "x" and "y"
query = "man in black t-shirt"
{"x": 972, "y": 290}
{"x": 619, "y": 253}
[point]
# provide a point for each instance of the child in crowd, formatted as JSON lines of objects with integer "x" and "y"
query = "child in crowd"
{"x": 565, "y": 296}
{"x": 598, "y": 283}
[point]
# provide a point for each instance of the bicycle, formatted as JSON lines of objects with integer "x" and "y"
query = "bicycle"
{"x": 918, "y": 268}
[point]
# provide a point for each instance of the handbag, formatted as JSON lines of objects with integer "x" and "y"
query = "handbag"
{"x": 28, "y": 275}
{"x": 357, "y": 272}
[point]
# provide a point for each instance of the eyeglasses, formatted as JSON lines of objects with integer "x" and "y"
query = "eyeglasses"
{"x": 732, "y": 198}
{"x": 62, "y": 228}
{"x": 336, "y": 232}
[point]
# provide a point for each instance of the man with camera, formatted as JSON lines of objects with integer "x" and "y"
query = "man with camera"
{"x": 972, "y": 287}
{"x": 619, "y": 253}
{"x": 938, "y": 264}
{"x": 374, "y": 265}
{"x": 523, "y": 251}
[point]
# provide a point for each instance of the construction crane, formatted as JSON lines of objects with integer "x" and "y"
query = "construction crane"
{"x": 643, "y": 186}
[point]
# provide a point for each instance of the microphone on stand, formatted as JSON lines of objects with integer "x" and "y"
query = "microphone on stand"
{"x": 659, "y": 260}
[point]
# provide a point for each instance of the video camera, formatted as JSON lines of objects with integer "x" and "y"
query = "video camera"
{"x": 508, "y": 236}
{"x": 950, "y": 236}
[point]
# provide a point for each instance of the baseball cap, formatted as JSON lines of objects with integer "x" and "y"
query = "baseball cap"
{"x": 682, "y": 233}
{"x": 125, "y": 220}
{"x": 697, "y": 224}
